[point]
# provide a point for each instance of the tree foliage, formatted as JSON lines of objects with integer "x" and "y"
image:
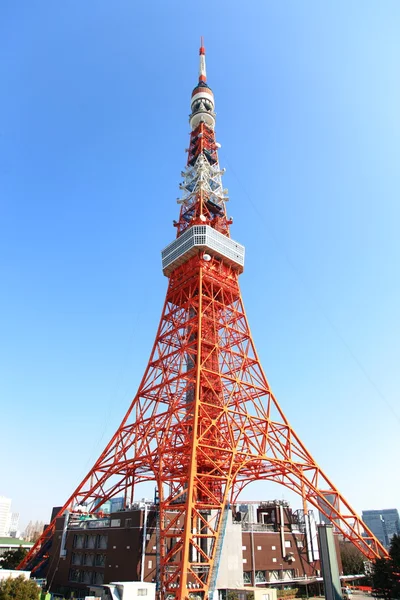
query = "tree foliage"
{"x": 33, "y": 531}
{"x": 19, "y": 588}
{"x": 386, "y": 573}
{"x": 12, "y": 558}
{"x": 352, "y": 559}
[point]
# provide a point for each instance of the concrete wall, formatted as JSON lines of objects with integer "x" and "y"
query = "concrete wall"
{"x": 230, "y": 572}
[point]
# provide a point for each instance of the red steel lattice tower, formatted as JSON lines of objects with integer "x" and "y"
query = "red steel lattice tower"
{"x": 204, "y": 422}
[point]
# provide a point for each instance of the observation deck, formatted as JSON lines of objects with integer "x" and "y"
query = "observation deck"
{"x": 202, "y": 237}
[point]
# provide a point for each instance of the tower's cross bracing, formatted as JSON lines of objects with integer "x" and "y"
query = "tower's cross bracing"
{"x": 204, "y": 422}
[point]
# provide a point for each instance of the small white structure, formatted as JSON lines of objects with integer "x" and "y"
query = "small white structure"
{"x": 6, "y": 573}
{"x": 263, "y": 593}
{"x": 128, "y": 590}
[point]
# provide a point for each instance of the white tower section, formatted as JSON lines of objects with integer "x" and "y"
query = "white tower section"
{"x": 202, "y": 179}
{"x": 202, "y": 98}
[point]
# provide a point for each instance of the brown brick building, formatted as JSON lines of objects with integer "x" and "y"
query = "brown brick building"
{"x": 87, "y": 551}
{"x": 276, "y": 547}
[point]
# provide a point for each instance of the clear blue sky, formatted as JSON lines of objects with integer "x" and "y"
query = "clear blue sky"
{"x": 93, "y": 126}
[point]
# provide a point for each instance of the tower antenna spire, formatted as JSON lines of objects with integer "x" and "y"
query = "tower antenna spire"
{"x": 202, "y": 66}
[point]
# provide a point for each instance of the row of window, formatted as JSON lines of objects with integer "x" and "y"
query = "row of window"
{"x": 288, "y": 544}
{"x": 274, "y": 560}
{"x": 89, "y": 560}
{"x": 87, "y": 577}
{"x": 90, "y": 541}
{"x": 268, "y": 576}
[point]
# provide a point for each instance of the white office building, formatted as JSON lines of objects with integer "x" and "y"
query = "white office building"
{"x": 5, "y": 505}
{"x": 13, "y": 530}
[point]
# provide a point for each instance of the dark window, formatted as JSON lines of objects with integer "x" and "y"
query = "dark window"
{"x": 98, "y": 578}
{"x": 87, "y": 577}
{"x": 90, "y": 541}
{"x": 76, "y": 559}
{"x": 102, "y": 541}
{"x": 78, "y": 541}
{"x": 75, "y": 575}
{"x": 100, "y": 560}
{"x": 88, "y": 559}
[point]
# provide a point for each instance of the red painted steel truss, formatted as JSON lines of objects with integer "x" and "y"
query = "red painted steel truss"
{"x": 204, "y": 422}
{"x": 203, "y": 425}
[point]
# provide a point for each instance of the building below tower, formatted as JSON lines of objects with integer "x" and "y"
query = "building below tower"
{"x": 384, "y": 524}
{"x": 12, "y": 544}
{"x": 265, "y": 544}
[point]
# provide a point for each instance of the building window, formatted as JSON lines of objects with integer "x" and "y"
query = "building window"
{"x": 247, "y": 577}
{"x": 150, "y": 564}
{"x": 115, "y": 522}
{"x": 288, "y": 574}
{"x": 98, "y": 578}
{"x": 142, "y": 592}
{"x": 265, "y": 597}
{"x": 100, "y": 560}
{"x": 299, "y": 544}
{"x": 259, "y": 548}
{"x": 87, "y": 577}
{"x": 261, "y": 576}
{"x": 128, "y": 522}
{"x": 244, "y": 560}
{"x": 78, "y": 542}
{"x": 102, "y": 541}
{"x": 76, "y": 559}
{"x": 244, "y": 548}
{"x": 74, "y": 575}
{"x": 273, "y": 547}
{"x": 274, "y": 560}
{"x": 88, "y": 560}
{"x": 288, "y": 544}
{"x": 90, "y": 541}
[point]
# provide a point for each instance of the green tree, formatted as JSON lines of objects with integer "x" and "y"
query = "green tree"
{"x": 12, "y": 558}
{"x": 386, "y": 573}
{"x": 382, "y": 578}
{"x": 395, "y": 551}
{"x": 19, "y": 589}
{"x": 352, "y": 559}
{"x": 395, "y": 564}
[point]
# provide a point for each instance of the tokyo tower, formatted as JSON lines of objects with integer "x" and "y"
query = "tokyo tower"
{"x": 204, "y": 422}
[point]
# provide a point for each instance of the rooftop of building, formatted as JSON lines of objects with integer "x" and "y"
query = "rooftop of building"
{"x": 10, "y": 541}
{"x": 377, "y": 511}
